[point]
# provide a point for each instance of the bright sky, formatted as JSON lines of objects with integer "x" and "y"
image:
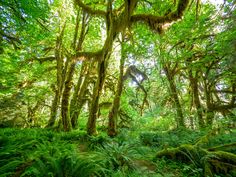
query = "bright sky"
{"x": 216, "y": 2}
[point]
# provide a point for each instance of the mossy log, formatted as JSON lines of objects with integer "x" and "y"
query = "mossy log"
{"x": 218, "y": 162}
{"x": 224, "y": 147}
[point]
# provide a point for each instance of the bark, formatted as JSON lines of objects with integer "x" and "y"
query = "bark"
{"x": 79, "y": 99}
{"x": 32, "y": 112}
{"x": 93, "y": 113}
{"x": 113, "y": 28}
{"x": 54, "y": 109}
{"x": 113, "y": 114}
{"x": 59, "y": 59}
{"x": 65, "y": 99}
{"x": 132, "y": 73}
{"x": 197, "y": 103}
{"x": 209, "y": 111}
{"x": 174, "y": 93}
{"x": 65, "y": 113}
{"x": 101, "y": 68}
{"x": 74, "y": 102}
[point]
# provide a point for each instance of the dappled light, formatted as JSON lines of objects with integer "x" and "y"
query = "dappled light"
{"x": 117, "y": 88}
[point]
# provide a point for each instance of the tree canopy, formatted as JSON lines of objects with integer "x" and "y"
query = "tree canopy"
{"x": 97, "y": 65}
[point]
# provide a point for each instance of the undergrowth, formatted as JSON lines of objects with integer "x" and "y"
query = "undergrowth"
{"x": 41, "y": 152}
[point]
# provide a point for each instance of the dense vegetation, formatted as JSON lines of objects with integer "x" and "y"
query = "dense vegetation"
{"x": 117, "y": 88}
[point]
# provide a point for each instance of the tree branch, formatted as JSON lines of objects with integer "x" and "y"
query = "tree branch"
{"x": 215, "y": 107}
{"x": 154, "y": 21}
{"x": 90, "y": 10}
{"x": 81, "y": 56}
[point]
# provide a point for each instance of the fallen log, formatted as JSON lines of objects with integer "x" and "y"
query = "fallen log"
{"x": 216, "y": 162}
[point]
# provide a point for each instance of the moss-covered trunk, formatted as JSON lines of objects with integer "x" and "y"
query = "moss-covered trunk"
{"x": 114, "y": 26}
{"x": 174, "y": 94}
{"x": 93, "y": 112}
{"x": 79, "y": 99}
{"x": 197, "y": 103}
{"x": 31, "y": 111}
{"x": 113, "y": 114}
{"x": 65, "y": 113}
{"x": 60, "y": 80}
{"x": 209, "y": 112}
{"x": 74, "y": 100}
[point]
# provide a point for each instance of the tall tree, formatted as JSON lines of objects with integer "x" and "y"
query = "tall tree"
{"x": 118, "y": 20}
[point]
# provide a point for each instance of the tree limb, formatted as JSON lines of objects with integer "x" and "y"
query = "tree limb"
{"x": 81, "y": 56}
{"x": 154, "y": 21}
{"x": 90, "y": 10}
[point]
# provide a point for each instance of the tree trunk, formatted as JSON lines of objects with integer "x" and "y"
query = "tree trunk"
{"x": 113, "y": 114}
{"x": 209, "y": 111}
{"x": 114, "y": 25}
{"x": 60, "y": 80}
{"x": 174, "y": 93}
{"x": 74, "y": 101}
{"x": 78, "y": 100}
{"x": 31, "y": 113}
{"x": 54, "y": 109}
{"x": 91, "y": 124}
{"x": 197, "y": 103}
{"x": 65, "y": 114}
{"x": 101, "y": 68}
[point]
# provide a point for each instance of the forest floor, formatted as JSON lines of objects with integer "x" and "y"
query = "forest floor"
{"x": 133, "y": 153}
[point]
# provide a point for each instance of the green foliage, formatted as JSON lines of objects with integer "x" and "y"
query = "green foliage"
{"x": 171, "y": 138}
{"x": 168, "y": 167}
{"x": 119, "y": 157}
{"x": 40, "y": 152}
{"x": 74, "y": 136}
{"x": 223, "y": 137}
{"x": 197, "y": 49}
{"x": 98, "y": 141}
{"x": 36, "y": 152}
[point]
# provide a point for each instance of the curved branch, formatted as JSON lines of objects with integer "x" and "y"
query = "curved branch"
{"x": 90, "y": 10}
{"x": 154, "y": 21}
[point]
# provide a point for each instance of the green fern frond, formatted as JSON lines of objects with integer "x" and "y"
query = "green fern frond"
{"x": 10, "y": 167}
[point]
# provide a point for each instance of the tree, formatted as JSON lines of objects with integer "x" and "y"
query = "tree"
{"x": 117, "y": 21}
{"x": 65, "y": 60}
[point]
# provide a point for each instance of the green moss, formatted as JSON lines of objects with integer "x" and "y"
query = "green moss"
{"x": 218, "y": 162}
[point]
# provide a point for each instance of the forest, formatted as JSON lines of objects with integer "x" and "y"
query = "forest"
{"x": 117, "y": 88}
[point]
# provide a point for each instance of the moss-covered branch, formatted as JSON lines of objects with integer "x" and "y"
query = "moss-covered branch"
{"x": 223, "y": 147}
{"x": 154, "y": 21}
{"x": 90, "y": 10}
{"x": 81, "y": 56}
